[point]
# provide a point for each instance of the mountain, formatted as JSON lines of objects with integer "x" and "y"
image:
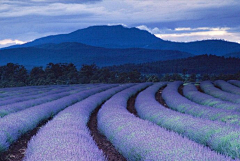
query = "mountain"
{"x": 200, "y": 64}
{"x": 235, "y": 54}
{"x": 78, "y": 54}
{"x": 214, "y": 47}
{"x": 122, "y": 37}
{"x": 102, "y": 36}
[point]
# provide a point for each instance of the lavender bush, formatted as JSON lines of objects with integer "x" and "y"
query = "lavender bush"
{"x": 191, "y": 92}
{"x": 139, "y": 139}
{"x": 11, "y": 108}
{"x": 32, "y": 95}
{"x": 209, "y": 88}
{"x": 179, "y": 103}
{"x": 227, "y": 87}
{"x": 235, "y": 82}
{"x": 14, "y": 91}
{"x": 218, "y": 136}
{"x": 16, "y": 124}
{"x": 67, "y": 135}
{"x": 13, "y": 94}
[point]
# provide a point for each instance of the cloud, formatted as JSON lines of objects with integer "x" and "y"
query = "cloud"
{"x": 54, "y": 9}
{"x": 156, "y": 16}
{"x": 114, "y": 24}
{"x": 53, "y": 1}
{"x": 8, "y": 42}
{"x": 154, "y": 30}
{"x": 200, "y": 34}
{"x": 187, "y": 34}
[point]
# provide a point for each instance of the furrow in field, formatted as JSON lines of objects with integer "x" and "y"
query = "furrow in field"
{"x": 181, "y": 104}
{"x": 138, "y": 139}
{"x": 218, "y": 136}
{"x": 192, "y": 93}
{"x": 101, "y": 141}
{"x": 227, "y": 87}
{"x": 67, "y": 135}
{"x": 15, "y": 107}
{"x": 235, "y": 82}
{"x": 6, "y": 93}
{"x": 31, "y": 96}
{"x": 17, "y": 150}
{"x": 15, "y": 125}
{"x": 210, "y": 89}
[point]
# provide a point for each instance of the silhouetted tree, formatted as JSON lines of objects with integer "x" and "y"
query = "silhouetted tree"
{"x": 13, "y": 75}
{"x": 86, "y": 72}
{"x": 37, "y": 76}
{"x": 192, "y": 78}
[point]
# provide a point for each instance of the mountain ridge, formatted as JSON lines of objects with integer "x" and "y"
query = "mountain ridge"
{"x": 78, "y": 54}
{"x": 123, "y": 37}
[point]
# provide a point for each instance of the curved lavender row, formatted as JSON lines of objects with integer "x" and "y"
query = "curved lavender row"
{"x": 176, "y": 101}
{"x": 31, "y": 91}
{"x": 14, "y": 98}
{"x": 209, "y": 88}
{"x": 67, "y": 135}
{"x": 13, "y": 94}
{"x": 234, "y": 82}
{"x": 15, "y": 89}
{"x": 218, "y": 136}
{"x": 225, "y": 86}
{"x": 16, "y": 124}
{"x": 191, "y": 92}
{"x": 4, "y": 92}
{"x": 32, "y": 95}
{"x": 37, "y": 94}
{"x": 19, "y": 91}
{"x": 15, "y": 107}
{"x": 139, "y": 139}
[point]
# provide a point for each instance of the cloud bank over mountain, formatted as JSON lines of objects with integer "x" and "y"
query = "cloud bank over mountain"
{"x": 25, "y": 20}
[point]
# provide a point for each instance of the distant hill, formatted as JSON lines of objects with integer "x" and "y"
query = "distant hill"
{"x": 235, "y": 54}
{"x": 214, "y": 47}
{"x": 78, "y": 54}
{"x": 102, "y": 36}
{"x": 122, "y": 37}
{"x": 201, "y": 64}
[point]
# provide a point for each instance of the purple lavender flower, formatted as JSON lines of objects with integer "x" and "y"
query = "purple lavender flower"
{"x": 227, "y": 87}
{"x": 191, "y": 92}
{"x": 202, "y": 131}
{"x": 67, "y": 137}
{"x": 16, "y": 124}
{"x": 209, "y": 88}
{"x": 139, "y": 139}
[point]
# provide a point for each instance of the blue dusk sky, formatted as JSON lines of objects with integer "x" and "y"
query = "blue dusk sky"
{"x": 176, "y": 20}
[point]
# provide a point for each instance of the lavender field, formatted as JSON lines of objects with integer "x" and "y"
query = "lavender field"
{"x": 134, "y": 121}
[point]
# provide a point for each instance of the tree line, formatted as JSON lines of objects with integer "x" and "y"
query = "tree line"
{"x": 202, "y": 64}
{"x": 15, "y": 75}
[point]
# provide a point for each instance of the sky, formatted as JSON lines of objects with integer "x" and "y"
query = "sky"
{"x": 175, "y": 20}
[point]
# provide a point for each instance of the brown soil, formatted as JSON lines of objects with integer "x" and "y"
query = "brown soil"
{"x": 159, "y": 98}
{"x": 106, "y": 146}
{"x": 199, "y": 88}
{"x": 131, "y": 105}
{"x": 17, "y": 150}
{"x": 180, "y": 90}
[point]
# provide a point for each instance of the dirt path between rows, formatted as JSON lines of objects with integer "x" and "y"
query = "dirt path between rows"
{"x": 17, "y": 150}
{"x": 106, "y": 146}
{"x": 158, "y": 97}
{"x": 180, "y": 90}
{"x": 131, "y": 105}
